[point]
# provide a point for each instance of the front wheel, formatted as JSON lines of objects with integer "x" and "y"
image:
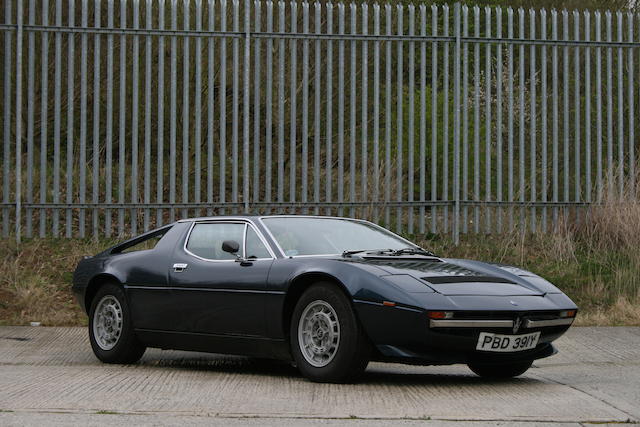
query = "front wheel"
{"x": 110, "y": 330}
{"x": 500, "y": 370}
{"x": 327, "y": 342}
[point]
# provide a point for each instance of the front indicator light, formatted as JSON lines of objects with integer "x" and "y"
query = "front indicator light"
{"x": 568, "y": 313}
{"x": 440, "y": 314}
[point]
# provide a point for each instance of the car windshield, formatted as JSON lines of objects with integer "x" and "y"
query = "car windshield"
{"x": 325, "y": 236}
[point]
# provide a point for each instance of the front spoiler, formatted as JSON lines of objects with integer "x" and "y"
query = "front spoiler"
{"x": 396, "y": 354}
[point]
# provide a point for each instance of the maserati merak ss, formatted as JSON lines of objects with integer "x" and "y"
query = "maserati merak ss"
{"x": 328, "y": 294}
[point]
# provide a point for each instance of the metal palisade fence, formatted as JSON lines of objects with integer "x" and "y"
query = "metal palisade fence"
{"x": 119, "y": 116}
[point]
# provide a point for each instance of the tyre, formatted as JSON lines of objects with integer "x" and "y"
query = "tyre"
{"x": 110, "y": 330}
{"x": 500, "y": 370}
{"x": 327, "y": 341}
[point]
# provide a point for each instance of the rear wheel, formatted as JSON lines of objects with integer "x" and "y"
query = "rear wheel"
{"x": 110, "y": 330}
{"x": 501, "y": 370}
{"x": 327, "y": 342}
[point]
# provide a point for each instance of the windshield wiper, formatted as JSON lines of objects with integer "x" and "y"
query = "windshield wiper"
{"x": 357, "y": 251}
{"x": 413, "y": 251}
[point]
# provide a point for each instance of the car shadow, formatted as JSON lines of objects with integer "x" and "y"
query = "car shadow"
{"x": 387, "y": 378}
{"x": 378, "y": 375}
{"x": 225, "y": 364}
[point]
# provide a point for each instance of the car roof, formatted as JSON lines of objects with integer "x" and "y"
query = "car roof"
{"x": 253, "y": 217}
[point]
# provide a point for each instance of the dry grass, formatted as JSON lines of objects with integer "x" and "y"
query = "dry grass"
{"x": 35, "y": 281}
{"x": 623, "y": 312}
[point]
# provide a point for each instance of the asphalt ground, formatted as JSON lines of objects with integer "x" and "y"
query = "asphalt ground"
{"x": 49, "y": 376}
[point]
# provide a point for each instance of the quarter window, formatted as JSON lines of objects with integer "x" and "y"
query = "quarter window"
{"x": 255, "y": 247}
{"x": 206, "y": 240}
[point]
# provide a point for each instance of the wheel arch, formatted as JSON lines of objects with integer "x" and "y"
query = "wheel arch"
{"x": 94, "y": 284}
{"x": 299, "y": 285}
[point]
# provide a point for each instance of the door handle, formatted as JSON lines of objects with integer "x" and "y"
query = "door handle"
{"x": 179, "y": 267}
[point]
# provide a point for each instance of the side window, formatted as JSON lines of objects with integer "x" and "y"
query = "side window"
{"x": 255, "y": 247}
{"x": 142, "y": 243}
{"x": 206, "y": 239}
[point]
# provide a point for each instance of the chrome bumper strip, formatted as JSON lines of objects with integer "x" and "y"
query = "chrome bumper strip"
{"x": 528, "y": 324}
{"x": 437, "y": 323}
{"x": 543, "y": 323}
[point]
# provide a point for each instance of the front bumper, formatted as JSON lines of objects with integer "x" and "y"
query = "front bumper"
{"x": 431, "y": 356}
{"x": 405, "y": 335}
{"x": 443, "y": 346}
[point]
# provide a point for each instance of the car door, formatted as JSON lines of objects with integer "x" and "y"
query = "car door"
{"x": 215, "y": 292}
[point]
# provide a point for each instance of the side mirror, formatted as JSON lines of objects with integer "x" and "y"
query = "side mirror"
{"x": 231, "y": 246}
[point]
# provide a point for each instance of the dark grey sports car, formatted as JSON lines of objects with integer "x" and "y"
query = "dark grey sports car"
{"x": 328, "y": 293}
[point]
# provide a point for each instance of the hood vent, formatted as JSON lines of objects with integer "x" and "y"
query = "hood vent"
{"x": 436, "y": 280}
{"x": 402, "y": 261}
